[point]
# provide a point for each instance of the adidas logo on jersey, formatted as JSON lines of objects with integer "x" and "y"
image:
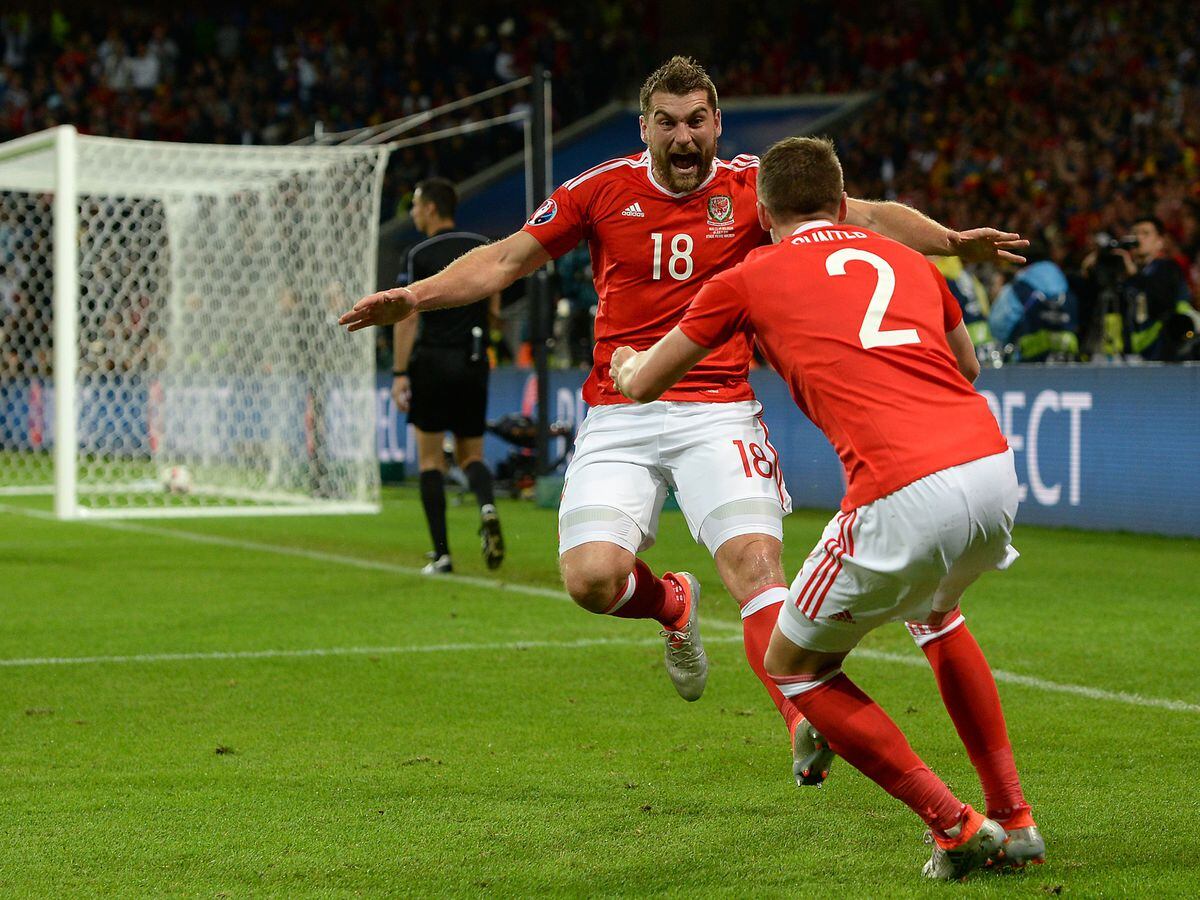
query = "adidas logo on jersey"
{"x": 634, "y": 209}
{"x": 844, "y": 616}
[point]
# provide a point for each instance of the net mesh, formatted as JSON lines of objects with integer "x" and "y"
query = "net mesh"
{"x": 211, "y": 373}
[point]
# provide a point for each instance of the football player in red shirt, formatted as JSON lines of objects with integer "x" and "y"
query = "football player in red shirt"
{"x": 874, "y": 351}
{"x": 659, "y": 224}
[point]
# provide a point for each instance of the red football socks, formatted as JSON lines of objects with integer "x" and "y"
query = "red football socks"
{"x": 646, "y": 596}
{"x": 760, "y": 611}
{"x": 860, "y": 732}
{"x": 969, "y": 692}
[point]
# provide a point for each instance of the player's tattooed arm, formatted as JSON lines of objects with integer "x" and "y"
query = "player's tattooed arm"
{"x": 915, "y": 229}
{"x": 484, "y": 271}
{"x": 646, "y": 376}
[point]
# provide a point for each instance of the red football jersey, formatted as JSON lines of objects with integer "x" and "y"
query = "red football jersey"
{"x": 651, "y": 250}
{"x": 856, "y": 324}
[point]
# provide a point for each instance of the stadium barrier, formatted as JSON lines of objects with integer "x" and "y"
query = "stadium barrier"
{"x": 1098, "y": 448}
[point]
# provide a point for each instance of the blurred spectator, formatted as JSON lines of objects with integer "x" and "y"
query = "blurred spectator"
{"x": 145, "y": 69}
{"x": 973, "y": 299}
{"x": 16, "y": 31}
{"x": 1036, "y": 315}
{"x": 577, "y": 308}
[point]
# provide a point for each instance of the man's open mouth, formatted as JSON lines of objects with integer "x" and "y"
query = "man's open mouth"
{"x": 685, "y": 163}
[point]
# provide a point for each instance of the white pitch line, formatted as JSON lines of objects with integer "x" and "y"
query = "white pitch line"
{"x": 876, "y": 655}
{"x": 32, "y": 513}
{"x": 339, "y": 651}
{"x": 313, "y": 555}
{"x": 1042, "y": 684}
{"x": 1001, "y": 675}
{"x": 320, "y": 556}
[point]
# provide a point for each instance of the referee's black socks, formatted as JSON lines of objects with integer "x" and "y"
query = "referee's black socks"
{"x": 433, "y": 498}
{"x": 479, "y": 476}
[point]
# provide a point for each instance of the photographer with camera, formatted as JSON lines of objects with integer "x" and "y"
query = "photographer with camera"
{"x": 1141, "y": 290}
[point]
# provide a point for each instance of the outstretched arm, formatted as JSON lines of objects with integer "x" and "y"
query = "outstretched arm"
{"x": 915, "y": 229}
{"x": 645, "y": 376}
{"x": 484, "y": 271}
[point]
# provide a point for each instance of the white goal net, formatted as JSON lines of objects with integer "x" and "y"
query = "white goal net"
{"x": 168, "y": 337}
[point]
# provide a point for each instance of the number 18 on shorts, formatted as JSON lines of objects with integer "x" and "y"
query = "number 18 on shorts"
{"x": 717, "y": 457}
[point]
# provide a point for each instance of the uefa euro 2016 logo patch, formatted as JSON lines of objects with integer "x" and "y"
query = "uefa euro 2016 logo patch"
{"x": 720, "y": 210}
{"x": 544, "y": 213}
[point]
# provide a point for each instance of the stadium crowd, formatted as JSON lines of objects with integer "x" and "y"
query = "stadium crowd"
{"x": 1077, "y": 124}
{"x": 272, "y": 75}
{"x": 1071, "y": 122}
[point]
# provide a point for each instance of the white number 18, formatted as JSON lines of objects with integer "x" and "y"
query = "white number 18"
{"x": 681, "y": 253}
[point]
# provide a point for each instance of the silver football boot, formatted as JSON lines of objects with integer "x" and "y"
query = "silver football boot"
{"x": 1025, "y": 847}
{"x": 686, "y": 661}
{"x": 987, "y": 846}
{"x": 811, "y": 756}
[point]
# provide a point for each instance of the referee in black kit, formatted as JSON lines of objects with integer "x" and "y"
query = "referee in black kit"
{"x": 440, "y": 377}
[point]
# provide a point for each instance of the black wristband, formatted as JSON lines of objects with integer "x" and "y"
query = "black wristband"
{"x": 396, "y": 374}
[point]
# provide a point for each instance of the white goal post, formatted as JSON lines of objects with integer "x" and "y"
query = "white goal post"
{"x": 168, "y": 336}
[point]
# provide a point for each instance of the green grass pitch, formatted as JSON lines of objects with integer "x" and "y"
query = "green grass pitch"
{"x": 280, "y": 707}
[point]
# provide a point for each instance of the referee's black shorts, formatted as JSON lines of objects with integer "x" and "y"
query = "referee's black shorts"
{"x": 449, "y": 391}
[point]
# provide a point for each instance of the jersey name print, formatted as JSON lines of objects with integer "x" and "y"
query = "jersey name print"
{"x": 651, "y": 252}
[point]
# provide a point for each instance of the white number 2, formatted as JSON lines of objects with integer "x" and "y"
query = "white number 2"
{"x": 681, "y": 252}
{"x": 870, "y": 334}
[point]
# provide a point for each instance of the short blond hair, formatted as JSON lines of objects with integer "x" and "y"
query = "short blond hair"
{"x": 799, "y": 176}
{"x": 679, "y": 75}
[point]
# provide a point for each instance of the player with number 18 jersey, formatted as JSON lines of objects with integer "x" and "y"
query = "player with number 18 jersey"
{"x": 650, "y": 250}
{"x": 705, "y": 440}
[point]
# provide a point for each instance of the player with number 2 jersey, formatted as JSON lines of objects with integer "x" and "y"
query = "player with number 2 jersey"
{"x": 874, "y": 350}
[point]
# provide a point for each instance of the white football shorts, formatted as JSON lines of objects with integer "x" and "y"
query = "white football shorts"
{"x": 905, "y": 556}
{"x": 716, "y": 457}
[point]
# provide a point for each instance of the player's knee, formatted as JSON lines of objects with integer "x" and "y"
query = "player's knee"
{"x": 750, "y": 562}
{"x": 594, "y": 583}
{"x": 594, "y": 590}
